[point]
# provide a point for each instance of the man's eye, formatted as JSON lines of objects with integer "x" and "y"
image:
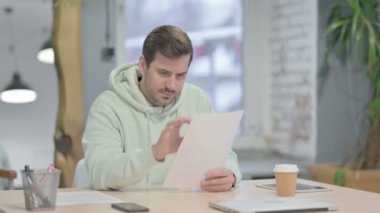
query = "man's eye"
{"x": 181, "y": 76}
{"x": 163, "y": 73}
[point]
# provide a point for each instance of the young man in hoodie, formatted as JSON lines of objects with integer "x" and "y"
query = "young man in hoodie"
{"x": 134, "y": 126}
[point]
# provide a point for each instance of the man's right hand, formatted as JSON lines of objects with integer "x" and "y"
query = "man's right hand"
{"x": 170, "y": 139}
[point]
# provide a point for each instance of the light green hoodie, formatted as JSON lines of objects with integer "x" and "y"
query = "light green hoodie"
{"x": 122, "y": 126}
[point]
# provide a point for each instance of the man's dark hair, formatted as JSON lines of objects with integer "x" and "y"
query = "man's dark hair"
{"x": 170, "y": 41}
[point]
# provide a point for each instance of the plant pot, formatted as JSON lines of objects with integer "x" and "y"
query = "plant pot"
{"x": 368, "y": 180}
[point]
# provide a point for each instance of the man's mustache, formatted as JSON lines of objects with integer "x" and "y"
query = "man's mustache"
{"x": 168, "y": 91}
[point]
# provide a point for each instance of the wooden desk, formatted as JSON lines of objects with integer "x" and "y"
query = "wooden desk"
{"x": 175, "y": 201}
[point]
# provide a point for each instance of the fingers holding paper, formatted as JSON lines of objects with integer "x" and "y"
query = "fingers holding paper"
{"x": 170, "y": 139}
{"x": 218, "y": 180}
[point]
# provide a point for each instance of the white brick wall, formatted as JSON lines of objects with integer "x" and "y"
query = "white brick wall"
{"x": 292, "y": 76}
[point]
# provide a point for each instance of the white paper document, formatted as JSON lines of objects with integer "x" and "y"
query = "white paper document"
{"x": 205, "y": 146}
{"x": 86, "y": 197}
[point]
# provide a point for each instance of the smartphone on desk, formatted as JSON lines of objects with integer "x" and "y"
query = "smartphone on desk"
{"x": 129, "y": 207}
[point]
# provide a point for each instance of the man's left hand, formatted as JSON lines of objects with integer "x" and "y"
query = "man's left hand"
{"x": 218, "y": 180}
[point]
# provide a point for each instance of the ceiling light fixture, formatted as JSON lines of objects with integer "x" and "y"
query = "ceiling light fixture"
{"x": 108, "y": 51}
{"x": 16, "y": 91}
{"x": 46, "y": 53}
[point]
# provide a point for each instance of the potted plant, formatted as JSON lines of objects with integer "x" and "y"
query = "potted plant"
{"x": 353, "y": 36}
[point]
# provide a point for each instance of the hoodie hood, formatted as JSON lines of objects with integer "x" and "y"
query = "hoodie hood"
{"x": 123, "y": 81}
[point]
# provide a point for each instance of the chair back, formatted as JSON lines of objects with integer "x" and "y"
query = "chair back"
{"x": 7, "y": 175}
{"x": 6, "y": 178}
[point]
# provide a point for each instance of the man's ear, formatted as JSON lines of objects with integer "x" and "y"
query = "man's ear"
{"x": 142, "y": 64}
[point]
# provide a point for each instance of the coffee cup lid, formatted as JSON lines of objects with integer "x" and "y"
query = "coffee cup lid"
{"x": 285, "y": 168}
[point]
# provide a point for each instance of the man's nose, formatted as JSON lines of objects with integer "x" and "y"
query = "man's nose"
{"x": 171, "y": 82}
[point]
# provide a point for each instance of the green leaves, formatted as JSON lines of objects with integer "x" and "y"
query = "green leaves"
{"x": 353, "y": 34}
{"x": 374, "y": 109}
{"x": 340, "y": 177}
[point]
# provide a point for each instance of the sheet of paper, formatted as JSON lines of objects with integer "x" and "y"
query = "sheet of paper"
{"x": 205, "y": 146}
{"x": 86, "y": 197}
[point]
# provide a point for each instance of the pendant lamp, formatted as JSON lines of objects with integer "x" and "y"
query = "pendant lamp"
{"x": 46, "y": 53}
{"x": 16, "y": 91}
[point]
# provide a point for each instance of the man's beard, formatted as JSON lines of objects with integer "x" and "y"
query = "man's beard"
{"x": 167, "y": 102}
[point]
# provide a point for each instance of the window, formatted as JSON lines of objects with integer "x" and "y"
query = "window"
{"x": 215, "y": 28}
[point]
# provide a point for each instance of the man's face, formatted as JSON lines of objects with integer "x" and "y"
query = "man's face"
{"x": 163, "y": 80}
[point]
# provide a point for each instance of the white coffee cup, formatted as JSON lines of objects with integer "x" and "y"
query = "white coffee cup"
{"x": 286, "y": 179}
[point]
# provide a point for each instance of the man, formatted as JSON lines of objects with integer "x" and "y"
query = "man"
{"x": 134, "y": 127}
